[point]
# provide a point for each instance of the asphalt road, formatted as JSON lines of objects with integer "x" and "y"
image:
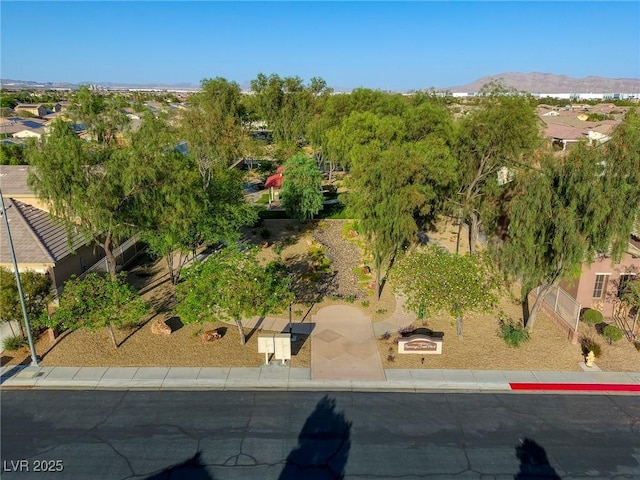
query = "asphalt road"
{"x": 312, "y": 435}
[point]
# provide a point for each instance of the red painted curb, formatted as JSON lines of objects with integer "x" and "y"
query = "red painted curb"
{"x": 600, "y": 387}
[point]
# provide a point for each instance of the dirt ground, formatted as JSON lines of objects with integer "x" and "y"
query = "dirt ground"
{"x": 481, "y": 348}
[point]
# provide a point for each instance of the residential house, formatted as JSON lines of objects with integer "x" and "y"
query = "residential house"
{"x": 36, "y": 109}
{"x": 42, "y": 245}
{"x": 18, "y": 127}
{"x": 601, "y": 282}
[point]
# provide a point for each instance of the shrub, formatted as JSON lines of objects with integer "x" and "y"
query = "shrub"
{"x": 513, "y": 333}
{"x": 364, "y": 303}
{"x": 588, "y": 344}
{"x": 14, "y": 343}
{"x": 265, "y": 233}
{"x": 277, "y": 248}
{"x": 349, "y": 299}
{"x": 612, "y": 333}
{"x": 298, "y": 312}
{"x": 381, "y": 311}
{"x": 592, "y": 317}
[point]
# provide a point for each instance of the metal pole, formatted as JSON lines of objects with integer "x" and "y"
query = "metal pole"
{"x": 34, "y": 357}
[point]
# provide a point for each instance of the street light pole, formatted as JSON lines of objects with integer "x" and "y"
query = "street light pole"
{"x": 32, "y": 348}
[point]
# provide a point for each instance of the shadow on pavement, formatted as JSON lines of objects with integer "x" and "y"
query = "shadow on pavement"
{"x": 191, "y": 469}
{"x": 323, "y": 445}
{"x": 533, "y": 462}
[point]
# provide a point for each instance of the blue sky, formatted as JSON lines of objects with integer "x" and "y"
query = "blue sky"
{"x": 386, "y": 45}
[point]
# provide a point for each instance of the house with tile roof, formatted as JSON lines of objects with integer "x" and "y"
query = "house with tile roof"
{"x": 42, "y": 245}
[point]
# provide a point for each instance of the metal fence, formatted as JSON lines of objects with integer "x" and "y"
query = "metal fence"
{"x": 124, "y": 253}
{"x": 563, "y": 305}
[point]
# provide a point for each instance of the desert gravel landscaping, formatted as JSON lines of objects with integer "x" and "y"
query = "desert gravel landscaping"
{"x": 481, "y": 348}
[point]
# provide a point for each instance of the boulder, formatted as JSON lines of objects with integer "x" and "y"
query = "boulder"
{"x": 210, "y": 336}
{"x": 159, "y": 327}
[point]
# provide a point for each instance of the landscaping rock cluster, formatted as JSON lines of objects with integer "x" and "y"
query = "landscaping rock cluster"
{"x": 344, "y": 256}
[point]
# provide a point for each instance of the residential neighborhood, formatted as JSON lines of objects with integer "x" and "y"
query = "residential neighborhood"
{"x": 311, "y": 240}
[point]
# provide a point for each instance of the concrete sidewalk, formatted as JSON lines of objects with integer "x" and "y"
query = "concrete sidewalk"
{"x": 278, "y": 377}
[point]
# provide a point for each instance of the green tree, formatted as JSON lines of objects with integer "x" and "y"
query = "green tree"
{"x": 302, "y": 187}
{"x": 102, "y": 116}
{"x": 568, "y": 210}
{"x": 36, "y": 288}
{"x": 212, "y": 125}
{"x": 393, "y": 182}
{"x": 231, "y": 285}
{"x": 96, "y": 302}
{"x": 502, "y": 132}
{"x": 435, "y": 280}
{"x": 11, "y": 154}
{"x": 287, "y": 105}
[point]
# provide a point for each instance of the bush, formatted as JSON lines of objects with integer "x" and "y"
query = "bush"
{"x": 265, "y": 233}
{"x": 612, "y": 333}
{"x": 588, "y": 344}
{"x": 364, "y": 303}
{"x": 277, "y": 248}
{"x": 381, "y": 311}
{"x": 14, "y": 343}
{"x": 592, "y": 317}
{"x": 349, "y": 299}
{"x": 514, "y": 334}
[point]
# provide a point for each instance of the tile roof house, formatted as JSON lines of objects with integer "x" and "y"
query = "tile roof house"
{"x": 42, "y": 245}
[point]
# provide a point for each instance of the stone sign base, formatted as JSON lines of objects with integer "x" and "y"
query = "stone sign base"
{"x": 420, "y": 344}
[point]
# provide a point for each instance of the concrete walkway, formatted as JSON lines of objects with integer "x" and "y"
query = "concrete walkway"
{"x": 343, "y": 346}
{"x": 277, "y": 377}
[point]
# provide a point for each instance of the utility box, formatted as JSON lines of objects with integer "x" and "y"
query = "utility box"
{"x": 278, "y": 343}
{"x": 282, "y": 346}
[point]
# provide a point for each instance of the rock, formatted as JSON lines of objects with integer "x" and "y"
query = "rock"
{"x": 159, "y": 327}
{"x": 366, "y": 270}
{"x": 210, "y": 336}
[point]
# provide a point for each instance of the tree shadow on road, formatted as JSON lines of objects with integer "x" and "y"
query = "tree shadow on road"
{"x": 323, "y": 445}
{"x": 534, "y": 463}
{"x": 191, "y": 469}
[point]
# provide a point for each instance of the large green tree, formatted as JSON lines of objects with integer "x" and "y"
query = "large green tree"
{"x": 393, "y": 182}
{"x": 213, "y": 125}
{"x": 302, "y": 187}
{"x": 232, "y": 284}
{"x": 502, "y": 131}
{"x": 36, "y": 288}
{"x": 96, "y": 302}
{"x": 435, "y": 279}
{"x": 569, "y": 209}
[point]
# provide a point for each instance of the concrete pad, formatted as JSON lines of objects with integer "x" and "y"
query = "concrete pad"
{"x": 556, "y": 377}
{"x": 431, "y": 376}
{"x": 490, "y": 378}
{"x": 67, "y": 383}
{"x": 607, "y": 377}
{"x": 63, "y": 373}
{"x": 214, "y": 373}
{"x": 244, "y": 374}
{"x": 90, "y": 373}
{"x": 119, "y": 373}
{"x": 30, "y": 372}
{"x": 179, "y": 383}
{"x": 274, "y": 372}
{"x": 398, "y": 375}
{"x": 635, "y": 376}
{"x": 299, "y": 374}
{"x": 519, "y": 376}
{"x": 184, "y": 373}
{"x": 151, "y": 373}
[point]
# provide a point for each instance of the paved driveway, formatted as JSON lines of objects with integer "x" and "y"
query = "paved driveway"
{"x": 343, "y": 346}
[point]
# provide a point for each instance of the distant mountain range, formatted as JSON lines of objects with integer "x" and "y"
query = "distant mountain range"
{"x": 527, "y": 82}
{"x": 549, "y": 83}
